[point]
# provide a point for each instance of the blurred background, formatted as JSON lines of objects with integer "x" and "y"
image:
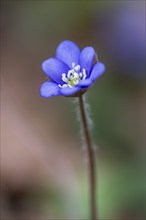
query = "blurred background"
{"x": 43, "y": 170}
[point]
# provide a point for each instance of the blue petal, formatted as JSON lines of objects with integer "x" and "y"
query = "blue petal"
{"x": 54, "y": 69}
{"x": 68, "y": 52}
{"x": 49, "y": 89}
{"x": 67, "y": 91}
{"x": 86, "y": 58}
{"x": 85, "y": 83}
{"x": 97, "y": 71}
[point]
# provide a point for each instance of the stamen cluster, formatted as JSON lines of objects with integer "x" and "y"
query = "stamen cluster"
{"x": 73, "y": 77}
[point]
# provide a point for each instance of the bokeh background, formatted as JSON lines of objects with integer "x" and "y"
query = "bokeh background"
{"x": 43, "y": 169}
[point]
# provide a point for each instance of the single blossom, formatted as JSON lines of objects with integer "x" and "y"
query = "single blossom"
{"x": 72, "y": 72}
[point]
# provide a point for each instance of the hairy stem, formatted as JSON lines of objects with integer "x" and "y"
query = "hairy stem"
{"x": 91, "y": 160}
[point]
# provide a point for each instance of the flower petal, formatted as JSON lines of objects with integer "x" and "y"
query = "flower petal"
{"x": 68, "y": 52}
{"x": 67, "y": 91}
{"x": 49, "y": 89}
{"x": 97, "y": 71}
{"x": 54, "y": 69}
{"x": 85, "y": 83}
{"x": 86, "y": 58}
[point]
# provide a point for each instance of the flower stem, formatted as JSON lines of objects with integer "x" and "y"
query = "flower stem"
{"x": 91, "y": 160}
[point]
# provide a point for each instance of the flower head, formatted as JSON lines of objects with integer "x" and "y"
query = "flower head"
{"x": 72, "y": 72}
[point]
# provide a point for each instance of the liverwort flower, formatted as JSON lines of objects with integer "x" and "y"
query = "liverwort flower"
{"x": 72, "y": 72}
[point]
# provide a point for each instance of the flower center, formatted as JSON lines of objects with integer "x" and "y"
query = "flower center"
{"x": 73, "y": 77}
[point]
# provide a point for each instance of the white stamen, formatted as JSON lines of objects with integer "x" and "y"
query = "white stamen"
{"x": 76, "y": 82}
{"x": 80, "y": 75}
{"x": 73, "y": 77}
{"x": 64, "y": 85}
{"x": 84, "y": 74}
{"x": 76, "y": 75}
{"x": 70, "y": 73}
{"x": 63, "y": 75}
{"x": 64, "y": 78}
{"x": 77, "y": 68}
{"x": 73, "y": 65}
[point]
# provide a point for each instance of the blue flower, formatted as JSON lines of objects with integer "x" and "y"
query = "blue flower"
{"x": 72, "y": 72}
